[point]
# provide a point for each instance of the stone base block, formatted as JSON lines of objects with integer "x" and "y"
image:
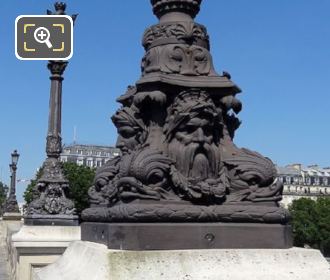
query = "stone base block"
{"x": 12, "y": 216}
{"x": 38, "y": 246}
{"x": 51, "y": 220}
{"x": 171, "y": 236}
{"x": 87, "y": 261}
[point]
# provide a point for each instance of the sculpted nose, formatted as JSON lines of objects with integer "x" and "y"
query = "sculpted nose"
{"x": 200, "y": 137}
{"x": 120, "y": 143}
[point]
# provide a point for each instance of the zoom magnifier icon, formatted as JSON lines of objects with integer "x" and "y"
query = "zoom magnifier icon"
{"x": 42, "y": 35}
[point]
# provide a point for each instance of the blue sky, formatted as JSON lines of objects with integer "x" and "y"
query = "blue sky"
{"x": 277, "y": 51}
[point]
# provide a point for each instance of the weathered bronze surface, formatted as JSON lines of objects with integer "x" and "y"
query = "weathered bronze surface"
{"x": 176, "y": 128}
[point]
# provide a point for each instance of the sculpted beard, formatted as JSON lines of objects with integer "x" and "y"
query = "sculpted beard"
{"x": 194, "y": 160}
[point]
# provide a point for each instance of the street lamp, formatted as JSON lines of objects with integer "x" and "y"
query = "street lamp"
{"x": 51, "y": 206}
{"x": 14, "y": 157}
{"x": 13, "y": 168}
{"x": 11, "y": 209}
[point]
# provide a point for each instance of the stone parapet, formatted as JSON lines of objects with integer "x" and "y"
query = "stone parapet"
{"x": 85, "y": 261}
{"x": 37, "y": 246}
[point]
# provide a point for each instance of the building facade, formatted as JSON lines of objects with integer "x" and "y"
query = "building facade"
{"x": 88, "y": 155}
{"x": 300, "y": 181}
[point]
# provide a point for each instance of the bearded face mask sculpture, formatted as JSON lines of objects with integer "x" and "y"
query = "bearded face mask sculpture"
{"x": 191, "y": 136}
{"x": 131, "y": 130}
{"x": 176, "y": 129}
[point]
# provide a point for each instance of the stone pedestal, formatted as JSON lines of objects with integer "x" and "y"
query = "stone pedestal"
{"x": 180, "y": 236}
{"x": 87, "y": 261}
{"x": 51, "y": 220}
{"x": 12, "y": 216}
{"x": 37, "y": 246}
{"x": 7, "y": 229}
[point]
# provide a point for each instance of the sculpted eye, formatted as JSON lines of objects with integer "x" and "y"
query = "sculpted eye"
{"x": 155, "y": 178}
{"x": 187, "y": 128}
{"x": 192, "y": 128}
{"x": 126, "y": 134}
{"x": 207, "y": 130}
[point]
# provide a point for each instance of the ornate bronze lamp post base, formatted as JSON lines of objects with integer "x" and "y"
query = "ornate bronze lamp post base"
{"x": 181, "y": 182}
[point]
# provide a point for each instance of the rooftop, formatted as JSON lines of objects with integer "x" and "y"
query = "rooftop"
{"x": 298, "y": 169}
{"x": 87, "y": 146}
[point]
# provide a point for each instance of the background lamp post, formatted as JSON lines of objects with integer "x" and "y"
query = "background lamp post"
{"x": 11, "y": 209}
{"x": 14, "y": 158}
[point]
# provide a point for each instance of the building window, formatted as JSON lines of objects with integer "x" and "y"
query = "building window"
{"x": 308, "y": 181}
{"x": 317, "y": 181}
{"x": 313, "y": 180}
{"x": 288, "y": 180}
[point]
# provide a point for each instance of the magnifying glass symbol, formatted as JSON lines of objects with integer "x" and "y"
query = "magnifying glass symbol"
{"x": 42, "y": 35}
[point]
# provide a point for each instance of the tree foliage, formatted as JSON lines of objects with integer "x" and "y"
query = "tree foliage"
{"x": 3, "y": 195}
{"x": 28, "y": 196}
{"x": 80, "y": 179}
{"x": 311, "y": 223}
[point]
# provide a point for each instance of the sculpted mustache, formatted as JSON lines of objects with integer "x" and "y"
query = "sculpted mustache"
{"x": 184, "y": 155}
{"x": 192, "y": 149}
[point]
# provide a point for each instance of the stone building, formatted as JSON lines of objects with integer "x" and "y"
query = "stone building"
{"x": 300, "y": 181}
{"x": 88, "y": 155}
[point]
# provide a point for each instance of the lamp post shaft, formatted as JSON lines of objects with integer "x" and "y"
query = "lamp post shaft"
{"x": 54, "y": 139}
{"x": 13, "y": 182}
{"x": 54, "y": 125}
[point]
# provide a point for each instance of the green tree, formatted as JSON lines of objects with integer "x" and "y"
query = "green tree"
{"x": 28, "y": 196}
{"x": 311, "y": 223}
{"x": 323, "y": 211}
{"x": 3, "y": 195}
{"x": 80, "y": 179}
